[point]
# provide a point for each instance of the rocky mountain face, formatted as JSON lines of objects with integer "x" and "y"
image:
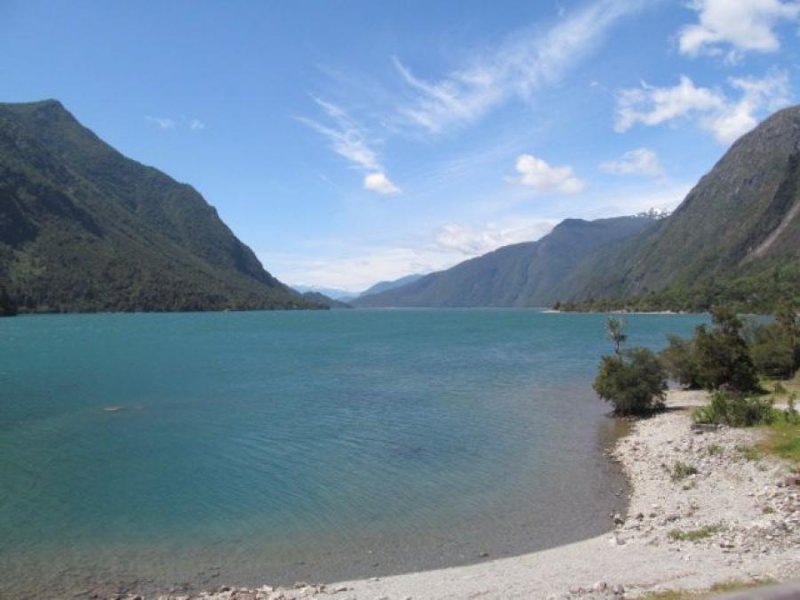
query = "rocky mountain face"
{"x": 527, "y": 274}
{"x": 736, "y": 236}
{"x": 83, "y": 228}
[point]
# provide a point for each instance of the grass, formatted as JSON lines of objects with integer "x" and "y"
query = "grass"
{"x": 783, "y": 440}
{"x": 751, "y": 453}
{"x": 694, "y": 535}
{"x": 723, "y": 587}
{"x": 785, "y": 387}
{"x": 681, "y": 470}
{"x": 714, "y": 450}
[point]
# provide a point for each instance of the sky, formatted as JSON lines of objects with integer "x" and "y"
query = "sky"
{"x": 353, "y": 141}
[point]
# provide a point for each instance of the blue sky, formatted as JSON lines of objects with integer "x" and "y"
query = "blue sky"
{"x": 351, "y": 141}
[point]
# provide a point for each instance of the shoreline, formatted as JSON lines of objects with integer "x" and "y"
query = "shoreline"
{"x": 733, "y": 520}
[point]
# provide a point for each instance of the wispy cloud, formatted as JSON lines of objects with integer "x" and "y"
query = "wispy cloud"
{"x": 470, "y": 241}
{"x": 356, "y": 267}
{"x": 535, "y": 173}
{"x": 711, "y": 109}
{"x": 739, "y": 25}
{"x": 522, "y": 64}
{"x": 641, "y": 161}
{"x": 350, "y": 140}
{"x": 176, "y": 123}
{"x": 161, "y": 122}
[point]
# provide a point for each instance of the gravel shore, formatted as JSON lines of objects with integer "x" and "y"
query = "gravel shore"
{"x": 705, "y": 508}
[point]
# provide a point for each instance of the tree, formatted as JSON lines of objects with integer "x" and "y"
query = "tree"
{"x": 722, "y": 355}
{"x": 634, "y": 381}
{"x": 615, "y": 328}
{"x": 679, "y": 360}
{"x": 7, "y": 306}
{"x": 775, "y": 346}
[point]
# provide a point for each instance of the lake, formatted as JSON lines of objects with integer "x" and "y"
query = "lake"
{"x": 185, "y": 451}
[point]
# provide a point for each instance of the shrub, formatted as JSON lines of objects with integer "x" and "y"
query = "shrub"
{"x": 679, "y": 361}
{"x": 772, "y": 347}
{"x": 722, "y": 356}
{"x": 633, "y": 381}
{"x": 682, "y": 470}
{"x": 694, "y": 535}
{"x": 735, "y": 409}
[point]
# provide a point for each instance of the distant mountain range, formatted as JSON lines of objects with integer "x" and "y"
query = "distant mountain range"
{"x": 735, "y": 239}
{"x": 83, "y": 228}
{"x": 383, "y": 286}
{"x": 527, "y": 274}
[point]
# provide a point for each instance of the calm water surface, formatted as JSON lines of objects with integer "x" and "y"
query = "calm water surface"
{"x": 159, "y": 451}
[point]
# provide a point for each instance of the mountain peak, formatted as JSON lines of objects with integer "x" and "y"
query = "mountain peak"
{"x": 107, "y": 233}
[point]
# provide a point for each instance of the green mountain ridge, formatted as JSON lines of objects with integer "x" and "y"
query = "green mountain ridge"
{"x": 526, "y": 274}
{"x": 83, "y": 228}
{"x": 734, "y": 239}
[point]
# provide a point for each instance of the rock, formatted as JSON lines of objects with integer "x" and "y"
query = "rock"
{"x": 704, "y": 427}
{"x": 600, "y": 586}
{"x": 618, "y": 520}
{"x": 618, "y": 589}
{"x": 484, "y": 555}
{"x": 576, "y": 590}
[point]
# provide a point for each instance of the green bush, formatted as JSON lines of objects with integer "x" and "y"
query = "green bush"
{"x": 633, "y": 381}
{"x": 774, "y": 357}
{"x": 722, "y": 356}
{"x": 736, "y": 410}
{"x": 682, "y": 470}
{"x": 775, "y": 347}
{"x": 679, "y": 361}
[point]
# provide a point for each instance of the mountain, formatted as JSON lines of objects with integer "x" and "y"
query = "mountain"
{"x": 527, "y": 274}
{"x": 83, "y": 228}
{"x": 383, "y": 286}
{"x": 331, "y": 293}
{"x": 734, "y": 239}
{"x": 324, "y": 300}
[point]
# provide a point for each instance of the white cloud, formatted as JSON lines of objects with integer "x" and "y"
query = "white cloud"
{"x": 357, "y": 268}
{"x": 737, "y": 118}
{"x": 180, "y": 123}
{"x": 162, "y": 122}
{"x": 349, "y": 140}
{"x": 537, "y": 174}
{"x": 715, "y": 112}
{"x": 641, "y": 161}
{"x": 474, "y": 242}
{"x": 522, "y": 64}
{"x": 379, "y": 182}
{"x": 652, "y": 106}
{"x": 743, "y": 25}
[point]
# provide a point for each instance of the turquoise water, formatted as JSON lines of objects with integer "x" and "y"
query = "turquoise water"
{"x": 245, "y": 448}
